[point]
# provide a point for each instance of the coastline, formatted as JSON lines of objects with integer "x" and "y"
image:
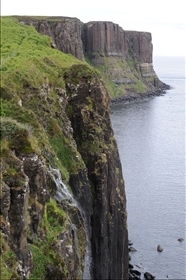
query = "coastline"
{"x": 132, "y": 97}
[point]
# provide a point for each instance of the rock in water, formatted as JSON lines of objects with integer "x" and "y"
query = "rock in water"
{"x": 159, "y": 248}
{"x": 148, "y": 276}
{"x": 135, "y": 272}
{"x": 132, "y": 249}
{"x": 180, "y": 239}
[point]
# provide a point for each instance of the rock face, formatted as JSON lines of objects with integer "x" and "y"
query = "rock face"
{"x": 104, "y": 38}
{"x": 95, "y": 142}
{"x": 61, "y": 128}
{"x": 123, "y": 57}
{"x": 23, "y": 208}
{"x": 65, "y": 33}
{"x": 99, "y": 191}
{"x": 140, "y": 46}
{"x": 14, "y": 202}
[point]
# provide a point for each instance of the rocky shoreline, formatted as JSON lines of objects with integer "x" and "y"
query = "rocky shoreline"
{"x": 133, "y": 273}
{"x": 133, "y": 97}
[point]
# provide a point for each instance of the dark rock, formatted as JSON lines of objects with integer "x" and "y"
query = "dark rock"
{"x": 148, "y": 276}
{"x": 180, "y": 239}
{"x": 136, "y": 272}
{"x": 159, "y": 248}
{"x": 139, "y": 45}
{"x": 132, "y": 249}
{"x": 131, "y": 265}
{"x": 106, "y": 38}
{"x": 133, "y": 276}
{"x": 108, "y": 219}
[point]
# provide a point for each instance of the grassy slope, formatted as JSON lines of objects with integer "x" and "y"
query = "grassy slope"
{"x": 28, "y": 58}
{"x": 115, "y": 69}
{"x": 28, "y": 64}
{"x": 106, "y": 70}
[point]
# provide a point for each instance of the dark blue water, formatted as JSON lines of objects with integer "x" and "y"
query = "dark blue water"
{"x": 151, "y": 141}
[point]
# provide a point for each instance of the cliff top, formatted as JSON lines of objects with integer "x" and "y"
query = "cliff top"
{"x": 32, "y": 71}
{"x": 48, "y": 18}
{"x": 28, "y": 58}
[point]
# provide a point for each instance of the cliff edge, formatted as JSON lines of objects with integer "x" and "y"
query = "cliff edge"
{"x": 63, "y": 205}
{"x": 124, "y": 58}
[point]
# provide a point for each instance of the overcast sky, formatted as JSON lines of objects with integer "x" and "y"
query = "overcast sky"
{"x": 165, "y": 19}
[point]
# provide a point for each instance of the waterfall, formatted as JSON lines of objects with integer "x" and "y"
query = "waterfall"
{"x": 62, "y": 193}
{"x": 88, "y": 259}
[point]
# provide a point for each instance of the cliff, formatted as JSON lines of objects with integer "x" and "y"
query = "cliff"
{"x": 63, "y": 205}
{"x": 65, "y": 32}
{"x": 124, "y": 58}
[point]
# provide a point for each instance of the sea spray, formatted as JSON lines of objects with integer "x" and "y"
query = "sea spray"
{"x": 62, "y": 193}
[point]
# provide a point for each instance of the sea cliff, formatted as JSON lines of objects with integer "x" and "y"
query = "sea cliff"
{"x": 124, "y": 58}
{"x": 63, "y": 205}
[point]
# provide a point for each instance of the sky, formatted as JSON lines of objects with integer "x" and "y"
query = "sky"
{"x": 164, "y": 19}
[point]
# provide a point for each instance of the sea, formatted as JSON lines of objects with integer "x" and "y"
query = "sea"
{"x": 150, "y": 134}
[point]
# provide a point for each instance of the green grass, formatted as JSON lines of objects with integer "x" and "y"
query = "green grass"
{"x": 17, "y": 135}
{"x": 54, "y": 222}
{"x": 27, "y": 59}
{"x": 124, "y": 69}
{"x": 8, "y": 261}
{"x": 28, "y": 66}
{"x": 34, "y": 120}
{"x": 33, "y": 81}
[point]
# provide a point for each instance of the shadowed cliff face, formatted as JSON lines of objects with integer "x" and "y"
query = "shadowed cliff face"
{"x": 95, "y": 142}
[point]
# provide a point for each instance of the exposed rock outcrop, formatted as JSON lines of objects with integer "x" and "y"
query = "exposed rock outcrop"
{"x": 95, "y": 142}
{"x": 140, "y": 46}
{"x": 99, "y": 190}
{"x": 24, "y": 206}
{"x": 123, "y": 57}
{"x": 64, "y": 31}
{"x": 104, "y": 39}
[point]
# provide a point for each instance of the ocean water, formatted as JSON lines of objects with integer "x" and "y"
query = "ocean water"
{"x": 151, "y": 141}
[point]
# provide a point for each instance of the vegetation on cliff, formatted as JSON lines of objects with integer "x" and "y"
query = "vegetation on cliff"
{"x": 33, "y": 121}
{"x": 32, "y": 84}
{"x": 123, "y": 58}
{"x": 55, "y": 115}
